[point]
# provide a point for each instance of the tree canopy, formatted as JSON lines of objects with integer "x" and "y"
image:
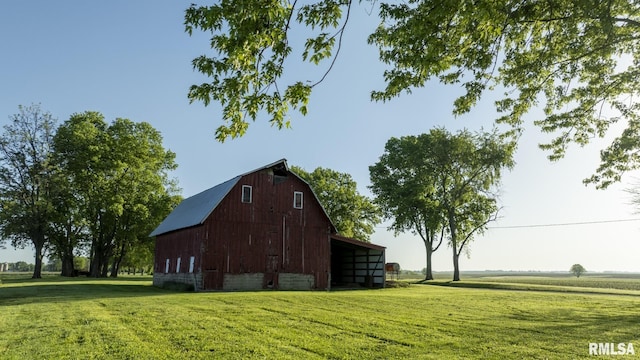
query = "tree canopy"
{"x": 404, "y": 184}
{"x": 578, "y": 60}
{"x": 441, "y": 181}
{"x": 353, "y": 214}
{"x": 86, "y": 186}
{"x": 577, "y": 270}
{"x": 26, "y": 180}
{"x": 119, "y": 174}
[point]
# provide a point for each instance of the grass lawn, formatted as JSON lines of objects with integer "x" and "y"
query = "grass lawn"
{"x": 127, "y": 318}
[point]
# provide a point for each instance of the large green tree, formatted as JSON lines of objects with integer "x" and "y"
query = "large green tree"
{"x": 470, "y": 166}
{"x": 67, "y": 227}
{"x": 404, "y": 186}
{"x": 26, "y": 180}
{"x": 119, "y": 173}
{"x": 578, "y": 60}
{"x": 577, "y": 270}
{"x": 83, "y": 147}
{"x": 442, "y": 183}
{"x": 353, "y": 214}
{"x": 150, "y": 193}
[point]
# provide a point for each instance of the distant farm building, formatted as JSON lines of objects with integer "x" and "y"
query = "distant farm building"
{"x": 392, "y": 269}
{"x": 264, "y": 229}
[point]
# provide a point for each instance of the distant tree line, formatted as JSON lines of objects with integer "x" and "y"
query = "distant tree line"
{"x": 20, "y": 266}
{"x": 85, "y": 187}
{"x": 81, "y": 264}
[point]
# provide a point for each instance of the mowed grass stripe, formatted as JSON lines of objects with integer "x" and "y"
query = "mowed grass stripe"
{"x": 301, "y": 322}
{"x": 58, "y": 330}
{"x": 127, "y": 319}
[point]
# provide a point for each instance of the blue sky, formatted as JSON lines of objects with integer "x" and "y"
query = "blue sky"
{"x": 133, "y": 60}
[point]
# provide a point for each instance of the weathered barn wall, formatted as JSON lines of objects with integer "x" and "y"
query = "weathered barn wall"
{"x": 268, "y": 235}
{"x": 267, "y": 243}
{"x": 245, "y": 281}
{"x": 288, "y": 281}
{"x": 194, "y": 279}
{"x": 257, "y": 281}
{"x": 182, "y": 244}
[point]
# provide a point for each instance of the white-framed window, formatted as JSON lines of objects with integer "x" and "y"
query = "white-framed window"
{"x": 178, "y": 265}
{"x": 297, "y": 200}
{"x": 246, "y": 193}
{"x": 166, "y": 266}
{"x": 192, "y": 263}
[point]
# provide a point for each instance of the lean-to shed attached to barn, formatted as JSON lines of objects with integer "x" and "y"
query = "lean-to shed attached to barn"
{"x": 264, "y": 229}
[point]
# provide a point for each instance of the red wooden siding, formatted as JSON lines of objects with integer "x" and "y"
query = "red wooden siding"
{"x": 267, "y": 235}
{"x": 266, "y": 243}
{"x": 183, "y": 244}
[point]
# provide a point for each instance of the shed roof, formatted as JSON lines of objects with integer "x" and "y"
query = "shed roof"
{"x": 195, "y": 209}
{"x": 356, "y": 243}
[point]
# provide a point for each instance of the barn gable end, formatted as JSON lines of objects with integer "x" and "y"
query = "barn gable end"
{"x": 264, "y": 229}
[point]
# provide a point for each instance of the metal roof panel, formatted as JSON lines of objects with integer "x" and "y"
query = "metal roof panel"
{"x": 195, "y": 209}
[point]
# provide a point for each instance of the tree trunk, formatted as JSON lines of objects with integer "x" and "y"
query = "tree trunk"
{"x": 105, "y": 260}
{"x": 117, "y": 261}
{"x": 93, "y": 261}
{"x": 100, "y": 260}
{"x": 99, "y": 265}
{"x": 67, "y": 265}
{"x": 429, "y": 273}
{"x": 104, "y": 270}
{"x": 453, "y": 230}
{"x": 37, "y": 270}
{"x": 456, "y": 268}
{"x": 66, "y": 256}
{"x": 115, "y": 268}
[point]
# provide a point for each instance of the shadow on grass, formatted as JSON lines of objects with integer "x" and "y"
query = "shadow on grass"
{"x": 606, "y": 326}
{"x": 16, "y": 290}
{"x": 24, "y": 277}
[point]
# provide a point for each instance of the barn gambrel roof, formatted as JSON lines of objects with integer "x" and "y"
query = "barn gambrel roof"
{"x": 196, "y": 209}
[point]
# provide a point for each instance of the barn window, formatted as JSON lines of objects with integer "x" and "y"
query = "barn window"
{"x": 178, "y": 265}
{"x": 277, "y": 179}
{"x": 192, "y": 263}
{"x": 166, "y": 266}
{"x": 246, "y": 193}
{"x": 297, "y": 200}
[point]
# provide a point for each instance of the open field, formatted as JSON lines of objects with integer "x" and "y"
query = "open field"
{"x": 479, "y": 318}
{"x": 609, "y": 283}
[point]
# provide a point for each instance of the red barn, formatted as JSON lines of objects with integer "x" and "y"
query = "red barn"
{"x": 264, "y": 229}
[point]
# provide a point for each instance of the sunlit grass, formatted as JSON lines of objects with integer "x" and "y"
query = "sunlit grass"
{"x": 626, "y": 283}
{"x": 127, "y": 318}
